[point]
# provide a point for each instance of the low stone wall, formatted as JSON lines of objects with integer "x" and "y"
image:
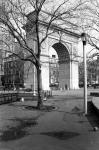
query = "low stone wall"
{"x": 27, "y": 96}
{"x": 47, "y": 94}
{"x": 8, "y": 97}
{"x": 94, "y": 94}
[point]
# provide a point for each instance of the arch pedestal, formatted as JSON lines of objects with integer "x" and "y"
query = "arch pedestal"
{"x": 68, "y": 76}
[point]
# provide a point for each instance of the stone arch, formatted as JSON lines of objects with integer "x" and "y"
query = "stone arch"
{"x": 64, "y": 65}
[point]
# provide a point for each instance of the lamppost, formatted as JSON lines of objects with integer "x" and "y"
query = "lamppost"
{"x": 83, "y": 37}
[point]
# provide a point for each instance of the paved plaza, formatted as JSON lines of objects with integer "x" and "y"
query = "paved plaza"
{"x": 65, "y": 127}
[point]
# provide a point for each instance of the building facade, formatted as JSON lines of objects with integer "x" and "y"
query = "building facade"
{"x": 13, "y": 72}
{"x": 54, "y": 72}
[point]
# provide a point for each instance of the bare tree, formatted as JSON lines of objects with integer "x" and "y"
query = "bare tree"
{"x": 88, "y": 21}
{"x": 57, "y": 15}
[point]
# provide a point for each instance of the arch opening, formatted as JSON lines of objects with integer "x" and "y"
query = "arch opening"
{"x": 62, "y": 52}
{"x": 60, "y": 67}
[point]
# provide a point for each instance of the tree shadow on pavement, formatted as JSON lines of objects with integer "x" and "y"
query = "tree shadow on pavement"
{"x": 43, "y": 108}
{"x": 61, "y": 135}
{"x": 18, "y": 131}
{"x": 28, "y": 107}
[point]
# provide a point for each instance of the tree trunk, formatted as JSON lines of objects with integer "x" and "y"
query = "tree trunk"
{"x": 39, "y": 87}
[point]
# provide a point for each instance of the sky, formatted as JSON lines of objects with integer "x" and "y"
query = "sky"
{"x": 51, "y": 5}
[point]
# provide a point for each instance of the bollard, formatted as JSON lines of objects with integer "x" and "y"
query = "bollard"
{"x": 22, "y": 99}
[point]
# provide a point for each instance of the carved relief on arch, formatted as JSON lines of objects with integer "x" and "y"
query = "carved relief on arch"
{"x": 68, "y": 46}
{"x": 52, "y": 41}
{"x": 75, "y": 53}
{"x": 75, "y": 50}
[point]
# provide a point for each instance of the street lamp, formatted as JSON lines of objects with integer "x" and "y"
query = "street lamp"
{"x": 83, "y": 37}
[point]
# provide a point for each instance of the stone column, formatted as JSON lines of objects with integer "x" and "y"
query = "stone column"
{"x": 74, "y": 76}
{"x": 45, "y": 72}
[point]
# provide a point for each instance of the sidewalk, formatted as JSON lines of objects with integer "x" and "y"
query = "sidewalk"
{"x": 63, "y": 128}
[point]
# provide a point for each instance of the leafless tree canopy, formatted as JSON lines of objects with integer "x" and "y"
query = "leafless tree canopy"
{"x": 19, "y": 17}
